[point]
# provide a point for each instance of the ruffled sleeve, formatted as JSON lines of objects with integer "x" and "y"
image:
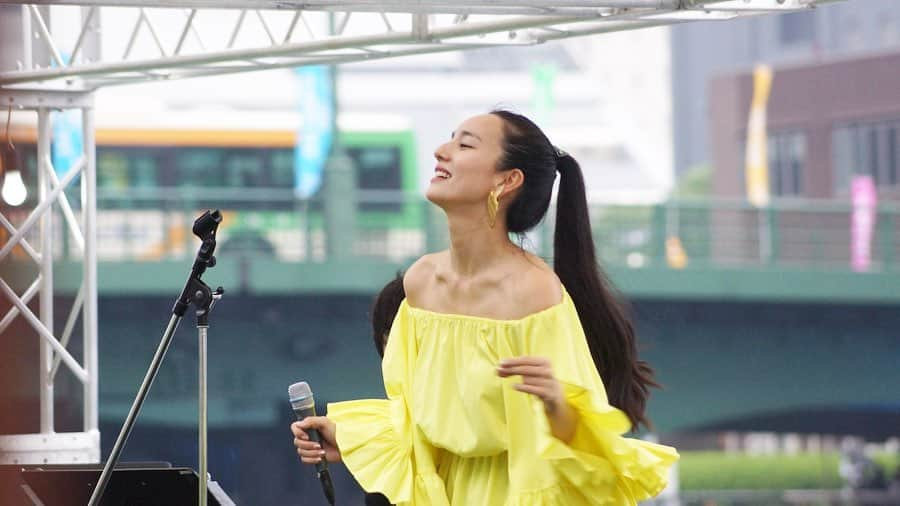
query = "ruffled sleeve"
{"x": 378, "y": 442}
{"x": 373, "y": 447}
{"x": 598, "y": 466}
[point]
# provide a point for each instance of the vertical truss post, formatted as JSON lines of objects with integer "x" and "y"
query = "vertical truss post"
{"x": 27, "y": 55}
{"x": 46, "y": 269}
{"x": 89, "y": 316}
{"x": 48, "y": 446}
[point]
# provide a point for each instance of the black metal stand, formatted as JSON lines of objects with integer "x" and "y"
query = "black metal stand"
{"x": 195, "y": 292}
{"x": 132, "y": 483}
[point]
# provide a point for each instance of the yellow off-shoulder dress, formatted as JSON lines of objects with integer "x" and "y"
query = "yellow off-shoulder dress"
{"x": 452, "y": 432}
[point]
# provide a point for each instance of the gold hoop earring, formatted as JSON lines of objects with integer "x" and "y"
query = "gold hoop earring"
{"x": 493, "y": 206}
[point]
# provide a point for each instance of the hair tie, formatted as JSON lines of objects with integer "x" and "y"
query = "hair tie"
{"x": 560, "y": 154}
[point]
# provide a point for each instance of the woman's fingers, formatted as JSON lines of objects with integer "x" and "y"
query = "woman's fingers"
{"x": 545, "y": 388}
{"x": 525, "y": 370}
{"x": 320, "y": 423}
{"x": 311, "y": 456}
{"x": 307, "y": 445}
{"x": 298, "y": 431}
{"x": 525, "y": 366}
{"x": 537, "y": 378}
{"x": 312, "y": 422}
{"x": 524, "y": 360}
{"x": 312, "y": 452}
{"x": 547, "y": 395}
{"x": 531, "y": 389}
{"x": 548, "y": 384}
{"x": 314, "y": 459}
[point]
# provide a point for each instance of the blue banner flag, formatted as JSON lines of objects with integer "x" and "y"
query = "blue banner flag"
{"x": 316, "y": 132}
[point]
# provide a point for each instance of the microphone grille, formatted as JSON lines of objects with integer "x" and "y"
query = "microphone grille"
{"x": 299, "y": 390}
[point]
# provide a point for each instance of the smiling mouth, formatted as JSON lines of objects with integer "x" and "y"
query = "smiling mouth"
{"x": 441, "y": 173}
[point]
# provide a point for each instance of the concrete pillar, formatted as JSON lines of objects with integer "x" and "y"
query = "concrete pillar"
{"x": 339, "y": 206}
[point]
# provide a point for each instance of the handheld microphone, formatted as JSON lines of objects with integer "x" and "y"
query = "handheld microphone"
{"x": 304, "y": 405}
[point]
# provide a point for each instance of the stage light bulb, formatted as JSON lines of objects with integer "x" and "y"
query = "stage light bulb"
{"x": 14, "y": 192}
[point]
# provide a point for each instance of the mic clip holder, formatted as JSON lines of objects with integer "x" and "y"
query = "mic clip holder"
{"x": 195, "y": 291}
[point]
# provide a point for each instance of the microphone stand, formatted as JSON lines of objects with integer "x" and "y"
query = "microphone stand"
{"x": 198, "y": 293}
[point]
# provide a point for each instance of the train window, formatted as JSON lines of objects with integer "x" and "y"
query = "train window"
{"x": 201, "y": 167}
{"x": 120, "y": 168}
{"x": 377, "y": 168}
{"x": 145, "y": 172}
{"x": 244, "y": 168}
{"x": 112, "y": 169}
{"x": 282, "y": 163}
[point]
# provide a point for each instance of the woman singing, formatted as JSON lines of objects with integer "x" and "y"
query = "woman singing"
{"x": 508, "y": 382}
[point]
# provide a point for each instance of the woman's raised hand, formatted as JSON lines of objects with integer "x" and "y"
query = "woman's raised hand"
{"x": 537, "y": 379}
{"x": 311, "y": 452}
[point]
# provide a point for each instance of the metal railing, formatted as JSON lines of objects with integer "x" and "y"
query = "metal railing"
{"x": 709, "y": 233}
{"x": 154, "y": 225}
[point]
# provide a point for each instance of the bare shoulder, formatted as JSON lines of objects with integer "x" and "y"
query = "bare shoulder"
{"x": 418, "y": 277}
{"x": 538, "y": 288}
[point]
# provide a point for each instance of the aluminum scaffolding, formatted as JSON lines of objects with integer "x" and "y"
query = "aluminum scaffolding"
{"x": 183, "y": 46}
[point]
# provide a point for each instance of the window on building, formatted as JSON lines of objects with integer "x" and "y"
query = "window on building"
{"x": 893, "y": 154}
{"x": 842, "y": 158}
{"x": 797, "y": 28}
{"x": 871, "y": 148}
{"x": 787, "y": 163}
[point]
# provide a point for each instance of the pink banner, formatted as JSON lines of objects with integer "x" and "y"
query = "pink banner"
{"x": 862, "y": 224}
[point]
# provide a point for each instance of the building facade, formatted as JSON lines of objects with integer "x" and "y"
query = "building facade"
{"x": 827, "y": 122}
{"x": 701, "y": 51}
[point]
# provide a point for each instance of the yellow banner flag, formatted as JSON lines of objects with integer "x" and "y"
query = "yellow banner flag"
{"x": 676, "y": 257}
{"x": 756, "y": 160}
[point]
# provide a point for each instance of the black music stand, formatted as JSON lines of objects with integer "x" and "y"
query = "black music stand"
{"x": 153, "y": 484}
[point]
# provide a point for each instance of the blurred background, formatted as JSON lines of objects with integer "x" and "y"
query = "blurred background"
{"x": 743, "y": 178}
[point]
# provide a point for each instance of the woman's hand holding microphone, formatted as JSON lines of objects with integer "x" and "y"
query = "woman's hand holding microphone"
{"x": 311, "y": 452}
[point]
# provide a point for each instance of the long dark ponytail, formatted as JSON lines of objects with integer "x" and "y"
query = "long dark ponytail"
{"x": 610, "y": 334}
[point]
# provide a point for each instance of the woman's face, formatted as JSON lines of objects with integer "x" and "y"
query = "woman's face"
{"x": 466, "y": 165}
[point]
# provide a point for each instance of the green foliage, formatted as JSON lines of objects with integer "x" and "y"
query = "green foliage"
{"x": 720, "y": 471}
{"x": 695, "y": 182}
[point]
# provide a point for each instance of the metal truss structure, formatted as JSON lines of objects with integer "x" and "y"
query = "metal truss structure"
{"x": 49, "y": 446}
{"x": 174, "y": 39}
{"x": 207, "y": 37}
